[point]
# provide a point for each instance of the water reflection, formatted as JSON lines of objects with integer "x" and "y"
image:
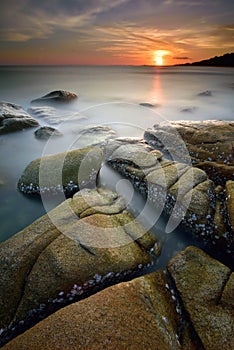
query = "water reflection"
{"x": 156, "y": 96}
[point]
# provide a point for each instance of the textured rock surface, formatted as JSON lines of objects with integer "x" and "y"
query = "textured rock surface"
{"x": 90, "y": 234}
{"x": 210, "y": 145}
{"x": 14, "y": 118}
{"x": 230, "y": 202}
{"x": 133, "y": 315}
{"x": 62, "y": 172}
{"x": 55, "y": 96}
{"x": 205, "y": 287}
{"x": 189, "y": 309}
{"x": 184, "y": 193}
{"x": 45, "y": 132}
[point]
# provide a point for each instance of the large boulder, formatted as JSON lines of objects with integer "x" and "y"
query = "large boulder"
{"x": 133, "y": 315}
{"x": 209, "y": 143}
{"x": 55, "y": 96}
{"x": 189, "y": 308}
{"x": 206, "y": 288}
{"x": 63, "y": 172}
{"x": 87, "y": 239}
{"x": 14, "y": 118}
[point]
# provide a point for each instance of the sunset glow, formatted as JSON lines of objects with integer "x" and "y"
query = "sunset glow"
{"x": 159, "y": 57}
{"x": 118, "y": 32}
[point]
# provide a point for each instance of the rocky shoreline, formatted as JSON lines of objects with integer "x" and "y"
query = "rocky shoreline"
{"x": 91, "y": 252}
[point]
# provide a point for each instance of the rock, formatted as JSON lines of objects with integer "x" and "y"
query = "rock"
{"x": 190, "y": 307}
{"x": 146, "y": 104}
{"x": 55, "y": 116}
{"x": 135, "y": 152}
{"x": 205, "y": 287}
{"x": 94, "y": 135}
{"x": 63, "y": 172}
{"x": 206, "y": 93}
{"x": 45, "y": 132}
{"x": 230, "y": 203}
{"x": 188, "y": 109}
{"x": 132, "y": 315}
{"x": 55, "y": 96}
{"x": 89, "y": 235}
{"x": 182, "y": 192}
{"x": 209, "y": 144}
{"x": 14, "y": 118}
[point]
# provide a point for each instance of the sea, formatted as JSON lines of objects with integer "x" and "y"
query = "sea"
{"x": 127, "y": 99}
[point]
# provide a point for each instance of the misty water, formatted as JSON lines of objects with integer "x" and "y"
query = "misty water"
{"x": 109, "y": 96}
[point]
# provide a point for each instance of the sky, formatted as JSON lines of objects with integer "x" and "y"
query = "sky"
{"x": 114, "y": 32}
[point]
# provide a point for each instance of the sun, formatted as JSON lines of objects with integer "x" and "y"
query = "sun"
{"x": 158, "y": 57}
{"x": 158, "y": 60}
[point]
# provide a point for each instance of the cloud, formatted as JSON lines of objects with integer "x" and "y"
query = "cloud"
{"x": 181, "y": 58}
{"x": 117, "y": 28}
{"x": 33, "y": 19}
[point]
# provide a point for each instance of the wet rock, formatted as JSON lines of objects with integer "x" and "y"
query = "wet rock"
{"x": 188, "y": 109}
{"x": 14, "y": 118}
{"x": 204, "y": 286}
{"x": 45, "y": 132}
{"x": 55, "y": 116}
{"x": 184, "y": 193}
{"x": 209, "y": 145}
{"x": 134, "y": 152}
{"x": 63, "y": 172}
{"x": 94, "y": 135}
{"x": 206, "y": 93}
{"x": 230, "y": 203}
{"x": 55, "y": 96}
{"x": 146, "y": 104}
{"x": 190, "y": 307}
{"x": 91, "y": 234}
{"x": 133, "y": 315}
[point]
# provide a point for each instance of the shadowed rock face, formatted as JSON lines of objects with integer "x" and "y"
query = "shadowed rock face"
{"x": 90, "y": 235}
{"x": 191, "y": 308}
{"x": 183, "y": 192}
{"x": 210, "y": 145}
{"x": 55, "y": 96}
{"x": 14, "y": 118}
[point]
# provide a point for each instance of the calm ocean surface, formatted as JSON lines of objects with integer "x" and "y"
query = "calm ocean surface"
{"x": 107, "y": 96}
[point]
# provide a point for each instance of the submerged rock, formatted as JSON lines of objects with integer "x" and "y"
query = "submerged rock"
{"x": 55, "y": 96}
{"x": 63, "y": 172}
{"x": 14, "y": 118}
{"x": 206, "y": 93}
{"x": 94, "y": 135}
{"x": 91, "y": 234}
{"x": 209, "y": 144}
{"x": 147, "y": 104}
{"x": 45, "y": 132}
{"x": 55, "y": 116}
